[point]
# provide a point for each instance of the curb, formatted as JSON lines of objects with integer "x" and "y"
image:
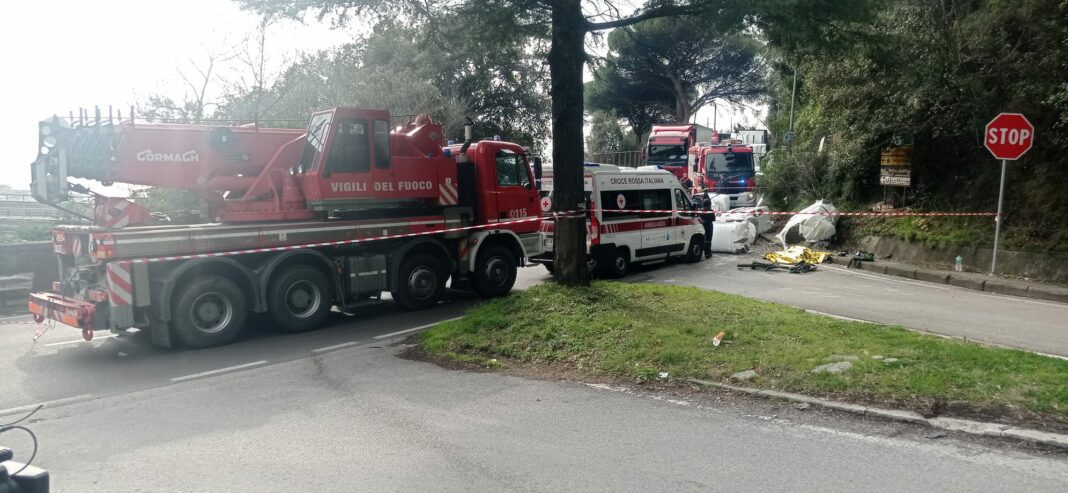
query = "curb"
{"x": 992, "y": 285}
{"x": 948, "y": 424}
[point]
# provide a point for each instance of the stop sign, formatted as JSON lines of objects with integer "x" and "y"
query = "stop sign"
{"x": 1009, "y": 136}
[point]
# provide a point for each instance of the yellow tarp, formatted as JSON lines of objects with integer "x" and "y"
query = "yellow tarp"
{"x": 797, "y": 253}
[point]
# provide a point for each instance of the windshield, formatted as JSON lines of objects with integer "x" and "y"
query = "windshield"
{"x": 667, "y": 152}
{"x": 731, "y": 162}
{"x": 316, "y": 136}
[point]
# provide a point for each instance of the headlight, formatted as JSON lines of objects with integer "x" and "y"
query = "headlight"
{"x": 46, "y": 130}
{"x": 49, "y": 140}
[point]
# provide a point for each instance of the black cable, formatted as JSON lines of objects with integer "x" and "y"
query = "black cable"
{"x": 24, "y": 418}
{"x": 32, "y": 436}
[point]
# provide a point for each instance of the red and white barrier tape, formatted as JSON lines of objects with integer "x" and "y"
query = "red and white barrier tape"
{"x": 337, "y": 242}
{"x": 795, "y": 213}
{"x": 571, "y": 213}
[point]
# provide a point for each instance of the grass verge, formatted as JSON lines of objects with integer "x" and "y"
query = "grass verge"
{"x": 636, "y": 331}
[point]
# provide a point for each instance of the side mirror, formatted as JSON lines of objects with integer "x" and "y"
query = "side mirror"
{"x": 537, "y": 168}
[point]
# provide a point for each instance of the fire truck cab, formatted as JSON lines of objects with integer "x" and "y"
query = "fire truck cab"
{"x": 726, "y": 169}
{"x": 633, "y": 216}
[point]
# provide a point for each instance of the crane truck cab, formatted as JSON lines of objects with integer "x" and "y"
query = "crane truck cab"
{"x": 336, "y": 215}
{"x": 727, "y": 169}
{"x": 633, "y": 216}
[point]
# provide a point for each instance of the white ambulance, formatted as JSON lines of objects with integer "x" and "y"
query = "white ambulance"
{"x": 618, "y": 232}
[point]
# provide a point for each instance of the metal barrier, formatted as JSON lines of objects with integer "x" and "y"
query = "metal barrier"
{"x": 629, "y": 159}
{"x": 14, "y": 291}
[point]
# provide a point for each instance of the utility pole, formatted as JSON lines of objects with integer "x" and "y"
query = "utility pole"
{"x": 793, "y": 99}
{"x": 715, "y": 115}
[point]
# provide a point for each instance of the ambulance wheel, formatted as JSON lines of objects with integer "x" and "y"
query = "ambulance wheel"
{"x": 208, "y": 311}
{"x": 495, "y": 271}
{"x": 298, "y": 299}
{"x": 619, "y": 265}
{"x": 420, "y": 282}
{"x": 697, "y": 247}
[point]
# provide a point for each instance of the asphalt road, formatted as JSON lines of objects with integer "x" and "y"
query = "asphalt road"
{"x": 1035, "y": 325}
{"x": 334, "y": 410}
{"x": 361, "y": 419}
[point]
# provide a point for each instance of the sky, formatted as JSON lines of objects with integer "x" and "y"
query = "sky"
{"x": 61, "y": 55}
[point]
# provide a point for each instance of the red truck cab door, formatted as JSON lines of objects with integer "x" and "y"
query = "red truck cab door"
{"x": 351, "y": 163}
{"x": 508, "y": 188}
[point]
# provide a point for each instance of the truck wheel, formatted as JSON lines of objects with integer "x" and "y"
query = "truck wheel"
{"x": 209, "y": 311}
{"x": 298, "y": 299}
{"x": 620, "y": 264}
{"x": 697, "y": 248}
{"x": 420, "y": 282}
{"x": 495, "y": 271}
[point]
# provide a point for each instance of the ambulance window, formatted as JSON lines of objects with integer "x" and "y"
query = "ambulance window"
{"x": 619, "y": 199}
{"x": 350, "y": 152}
{"x": 681, "y": 202}
{"x": 656, "y": 200}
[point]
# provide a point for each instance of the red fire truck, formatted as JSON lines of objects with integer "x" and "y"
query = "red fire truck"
{"x": 303, "y": 220}
{"x": 668, "y": 144}
{"x": 727, "y": 169}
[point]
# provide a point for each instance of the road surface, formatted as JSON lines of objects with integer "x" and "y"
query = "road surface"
{"x": 335, "y": 410}
{"x": 361, "y": 419}
{"x": 1036, "y": 325}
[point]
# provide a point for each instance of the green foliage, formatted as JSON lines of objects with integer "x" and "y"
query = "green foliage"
{"x": 440, "y": 66}
{"x": 666, "y": 69}
{"x": 166, "y": 200}
{"x": 635, "y": 331}
{"x": 608, "y": 136}
{"x": 933, "y": 74}
{"x": 33, "y": 232}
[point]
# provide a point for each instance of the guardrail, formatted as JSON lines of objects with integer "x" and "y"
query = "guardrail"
{"x": 14, "y": 291}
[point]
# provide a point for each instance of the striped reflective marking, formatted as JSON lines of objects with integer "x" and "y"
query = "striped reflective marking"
{"x": 120, "y": 287}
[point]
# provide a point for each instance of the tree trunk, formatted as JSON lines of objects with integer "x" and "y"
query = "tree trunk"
{"x": 567, "y": 55}
{"x": 682, "y": 102}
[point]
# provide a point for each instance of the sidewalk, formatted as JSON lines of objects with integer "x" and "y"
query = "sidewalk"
{"x": 970, "y": 280}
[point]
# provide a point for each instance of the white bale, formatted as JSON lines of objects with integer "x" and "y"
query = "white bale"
{"x": 732, "y": 237}
{"x": 810, "y": 228}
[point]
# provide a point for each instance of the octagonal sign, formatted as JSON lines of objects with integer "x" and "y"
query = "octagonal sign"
{"x": 1009, "y": 136}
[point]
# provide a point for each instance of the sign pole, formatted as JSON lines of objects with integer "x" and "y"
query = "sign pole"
{"x": 997, "y": 219}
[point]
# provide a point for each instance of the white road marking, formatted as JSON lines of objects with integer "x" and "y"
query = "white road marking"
{"x": 220, "y": 370}
{"x": 109, "y": 336}
{"x": 335, "y": 346}
{"x": 414, "y": 329}
{"x": 13, "y": 317}
{"x": 839, "y": 317}
{"x": 944, "y": 287}
{"x": 57, "y": 402}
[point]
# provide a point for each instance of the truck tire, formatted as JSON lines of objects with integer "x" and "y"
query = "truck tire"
{"x": 495, "y": 271}
{"x": 298, "y": 299}
{"x": 619, "y": 266}
{"x": 696, "y": 249}
{"x": 209, "y": 311}
{"x": 420, "y": 282}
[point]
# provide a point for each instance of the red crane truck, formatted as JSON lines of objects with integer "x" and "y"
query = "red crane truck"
{"x": 303, "y": 220}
